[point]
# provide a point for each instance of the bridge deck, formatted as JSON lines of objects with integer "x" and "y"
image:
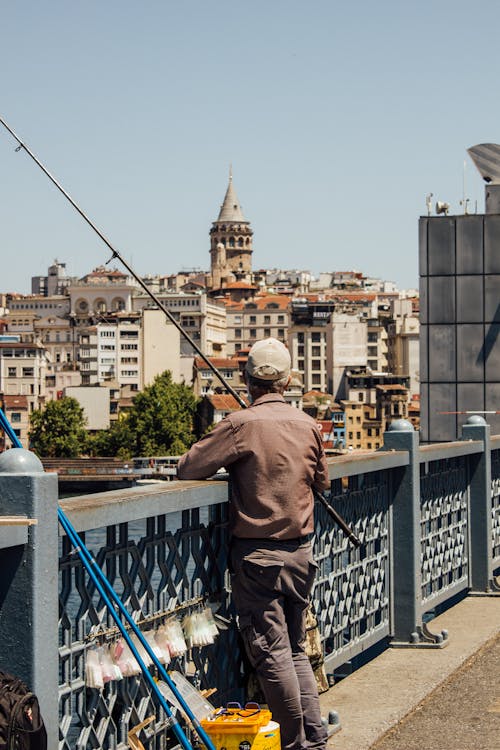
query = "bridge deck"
{"x": 380, "y": 694}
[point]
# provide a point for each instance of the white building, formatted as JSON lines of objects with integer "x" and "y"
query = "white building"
{"x": 131, "y": 350}
{"x": 22, "y": 372}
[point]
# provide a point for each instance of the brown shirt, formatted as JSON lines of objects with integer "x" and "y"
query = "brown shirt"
{"x": 274, "y": 454}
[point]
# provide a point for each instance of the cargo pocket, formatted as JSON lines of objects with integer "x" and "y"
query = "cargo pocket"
{"x": 256, "y": 644}
{"x": 261, "y": 571}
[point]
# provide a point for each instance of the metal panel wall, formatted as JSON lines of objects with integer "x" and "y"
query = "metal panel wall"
{"x": 460, "y": 321}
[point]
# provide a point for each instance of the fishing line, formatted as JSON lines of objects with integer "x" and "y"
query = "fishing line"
{"x": 115, "y": 254}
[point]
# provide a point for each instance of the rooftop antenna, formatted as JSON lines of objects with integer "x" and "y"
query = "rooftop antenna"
{"x": 428, "y": 203}
{"x": 465, "y": 201}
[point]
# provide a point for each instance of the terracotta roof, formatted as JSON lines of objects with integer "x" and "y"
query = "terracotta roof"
{"x": 15, "y": 402}
{"x": 216, "y": 361}
{"x": 260, "y": 302}
{"x": 240, "y": 285}
{"x": 224, "y": 402}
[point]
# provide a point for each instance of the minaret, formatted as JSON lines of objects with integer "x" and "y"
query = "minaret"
{"x": 231, "y": 236}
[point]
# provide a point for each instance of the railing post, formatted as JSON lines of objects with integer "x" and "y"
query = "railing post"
{"x": 29, "y": 579}
{"x": 406, "y": 568}
{"x": 481, "y": 549}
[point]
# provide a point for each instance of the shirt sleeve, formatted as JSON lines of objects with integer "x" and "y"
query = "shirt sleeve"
{"x": 321, "y": 480}
{"x": 215, "y": 450}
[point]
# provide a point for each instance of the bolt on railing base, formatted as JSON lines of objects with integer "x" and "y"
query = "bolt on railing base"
{"x": 422, "y": 637}
{"x": 332, "y": 723}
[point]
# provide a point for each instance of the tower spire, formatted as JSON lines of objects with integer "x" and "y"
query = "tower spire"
{"x": 231, "y": 209}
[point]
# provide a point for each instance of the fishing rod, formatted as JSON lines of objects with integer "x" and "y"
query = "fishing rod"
{"x": 115, "y": 254}
{"x": 114, "y": 603}
{"x": 118, "y": 256}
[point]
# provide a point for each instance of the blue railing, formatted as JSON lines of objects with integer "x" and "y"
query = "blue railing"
{"x": 428, "y": 518}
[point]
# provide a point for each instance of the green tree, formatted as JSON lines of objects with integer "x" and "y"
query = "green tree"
{"x": 160, "y": 421}
{"x": 58, "y": 429}
{"x": 116, "y": 441}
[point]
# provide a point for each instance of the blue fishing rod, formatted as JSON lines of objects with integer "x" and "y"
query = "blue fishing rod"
{"x": 113, "y": 602}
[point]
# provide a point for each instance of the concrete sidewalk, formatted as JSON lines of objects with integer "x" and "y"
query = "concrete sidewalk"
{"x": 380, "y": 694}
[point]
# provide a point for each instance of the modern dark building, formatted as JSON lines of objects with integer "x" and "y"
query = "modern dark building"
{"x": 460, "y": 311}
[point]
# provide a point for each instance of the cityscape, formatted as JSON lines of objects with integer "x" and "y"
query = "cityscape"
{"x": 100, "y": 339}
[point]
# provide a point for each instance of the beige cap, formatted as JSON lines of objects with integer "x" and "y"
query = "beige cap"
{"x": 268, "y": 359}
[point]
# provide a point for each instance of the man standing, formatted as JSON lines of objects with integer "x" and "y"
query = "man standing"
{"x": 274, "y": 456}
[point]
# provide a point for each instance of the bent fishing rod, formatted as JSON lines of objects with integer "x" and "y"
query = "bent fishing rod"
{"x": 115, "y": 254}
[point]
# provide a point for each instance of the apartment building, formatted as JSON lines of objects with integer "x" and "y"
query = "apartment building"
{"x": 374, "y": 401}
{"x": 130, "y": 349}
{"x": 38, "y": 305}
{"x": 23, "y": 368}
{"x": 403, "y": 343}
{"x": 16, "y": 410}
{"x": 205, "y": 382}
{"x": 251, "y": 320}
{"x": 201, "y": 317}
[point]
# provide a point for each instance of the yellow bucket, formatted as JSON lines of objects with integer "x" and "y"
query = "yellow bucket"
{"x": 249, "y": 728}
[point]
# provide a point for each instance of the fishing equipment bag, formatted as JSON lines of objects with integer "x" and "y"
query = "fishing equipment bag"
{"x": 21, "y": 724}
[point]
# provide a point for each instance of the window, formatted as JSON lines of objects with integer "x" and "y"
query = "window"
{"x": 300, "y": 338}
{"x": 372, "y": 351}
{"x": 316, "y": 351}
{"x": 15, "y": 416}
{"x": 267, "y": 319}
{"x": 28, "y": 372}
{"x": 253, "y": 333}
{"x": 281, "y": 319}
{"x": 253, "y": 319}
{"x": 360, "y": 397}
{"x": 12, "y": 372}
{"x": 316, "y": 364}
{"x": 316, "y": 336}
{"x": 358, "y": 436}
{"x": 281, "y": 333}
{"x": 316, "y": 379}
{"x": 267, "y": 333}
{"x": 237, "y": 333}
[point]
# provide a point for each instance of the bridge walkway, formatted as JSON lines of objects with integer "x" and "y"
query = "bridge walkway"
{"x": 435, "y": 699}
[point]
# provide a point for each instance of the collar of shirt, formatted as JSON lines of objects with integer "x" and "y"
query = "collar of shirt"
{"x": 267, "y": 398}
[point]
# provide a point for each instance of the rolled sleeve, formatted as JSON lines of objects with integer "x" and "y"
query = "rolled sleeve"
{"x": 211, "y": 453}
{"x": 321, "y": 478}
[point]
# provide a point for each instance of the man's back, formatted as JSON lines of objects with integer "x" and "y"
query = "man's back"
{"x": 274, "y": 455}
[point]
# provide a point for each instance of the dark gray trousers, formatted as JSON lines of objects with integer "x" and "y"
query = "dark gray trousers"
{"x": 271, "y": 583}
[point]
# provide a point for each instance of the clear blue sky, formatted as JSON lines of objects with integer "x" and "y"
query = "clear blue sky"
{"x": 338, "y": 119}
